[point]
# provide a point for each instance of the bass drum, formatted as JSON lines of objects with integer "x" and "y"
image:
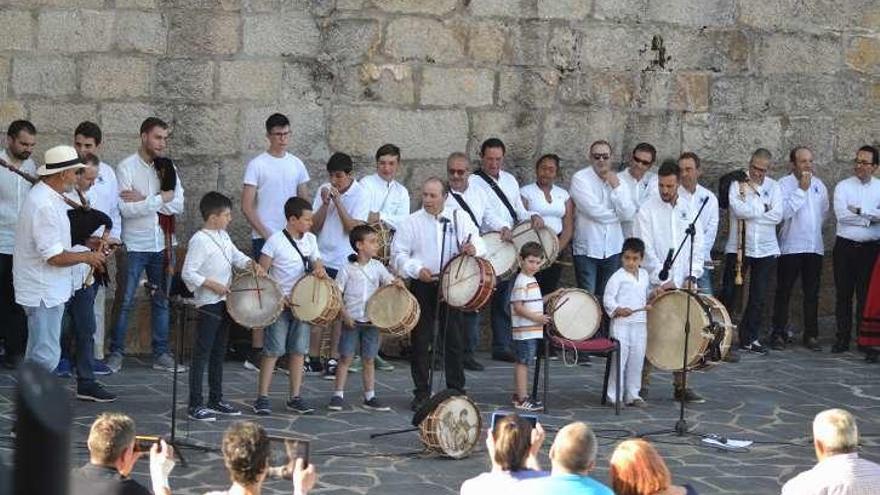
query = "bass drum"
{"x": 710, "y": 323}
{"x": 523, "y": 232}
{"x": 467, "y": 282}
{"x": 501, "y": 254}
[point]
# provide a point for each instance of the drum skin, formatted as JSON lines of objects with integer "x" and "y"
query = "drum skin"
{"x": 453, "y": 428}
{"x": 501, "y": 254}
{"x": 575, "y": 314}
{"x": 316, "y": 300}
{"x": 523, "y": 232}
{"x": 393, "y": 310}
{"x": 467, "y": 282}
{"x": 666, "y": 320}
{"x": 254, "y": 301}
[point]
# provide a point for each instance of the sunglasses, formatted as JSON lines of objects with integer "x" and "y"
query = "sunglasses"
{"x": 601, "y": 156}
{"x": 457, "y": 172}
{"x": 642, "y": 162}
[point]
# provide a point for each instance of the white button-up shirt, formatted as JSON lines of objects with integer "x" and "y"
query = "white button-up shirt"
{"x": 418, "y": 242}
{"x": 389, "y": 199}
{"x": 803, "y": 213}
{"x": 551, "y": 212}
{"x": 639, "y": 191}
{"x": 104, "y": 196}
{"x": 287, "y": 265}
{"x": 662, "y": 227}
{"x": 210, "y": 255}
{"x": 852, "y": 192}
{"x": 762, "y": 211}
{"x": 841, "y": 474}
{"x": 488, "y": 219}
{"x": 708, "y": 221}
{"x": 140, "y": 220}
{"x": 43, "y": 232}
{"x": 332, "y": 239}
{"x": 13, "y": 192}
{"x": 358, "y": 283}
{"x": 510, "y": 187}
{"x": 625, "y": 290}
{"x": 599, "y": 211}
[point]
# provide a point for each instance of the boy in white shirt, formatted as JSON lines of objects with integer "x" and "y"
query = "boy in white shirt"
{"x": 358, "y": 280}
{"x": 287, "y": 256}
{"x": 527, "y": 320}
{"x": 207, "y": 272}
{"x": 626, "y": 301}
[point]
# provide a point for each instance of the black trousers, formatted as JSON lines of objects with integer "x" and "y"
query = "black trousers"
{"x": 212, "y": 333}
{"x": 14, "y": 328}
{"x": 450, "y": 340}
{"x": 789, "y": 266}
{"x": 750, "y": 324}
{"x": 853, "y": 262}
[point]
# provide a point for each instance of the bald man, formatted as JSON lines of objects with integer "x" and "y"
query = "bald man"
{"x": 573, "y": 456}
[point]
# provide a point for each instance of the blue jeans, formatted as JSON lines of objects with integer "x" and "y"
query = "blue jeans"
{"x": 502, "y": 335}
{"x": 212, "y": 332}
{"x": 593, "y": 273}
{"x": 81, "y": 308}
{"x": 154, "y": 264}
{"x": 471, "y": 324}
{"x": 705, "y": 282}
{"x": 44, "y": 335}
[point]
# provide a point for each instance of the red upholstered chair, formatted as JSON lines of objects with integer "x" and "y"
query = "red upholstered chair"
{"x": 608, "y": 348}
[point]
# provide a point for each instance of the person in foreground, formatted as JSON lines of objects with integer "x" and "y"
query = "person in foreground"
{"x": 573, "y": 456}
{"x": 638, "y": 469}
{"x": 513, "y": 447}
{"x": 112, "y": 457}
{"x": 840, "y": 470}
{"x": 246, "y": 455}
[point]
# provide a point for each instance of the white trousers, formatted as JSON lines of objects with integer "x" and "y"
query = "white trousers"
{"x": 100, "y": 306}
{"x": 633, "y": 338}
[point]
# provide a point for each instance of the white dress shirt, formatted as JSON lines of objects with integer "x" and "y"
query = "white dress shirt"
{"x": 390, "y": 199}
{"x": 510, "y": 187}
{"x": 276, "y": 181}
{"x": 13, "y": 192}
{"x": 639, "y": 192}
{"x": 488, "y": 219}
{"x": 210, "y": 255}
{"x": 708, "y": 221}
{"x": 140, "y": 222}
{"x": 287, "y": 265}
{"x": 852, "y": 192}
{"x": 762, "y": 211}
{"x": 43, "y": 232}
{"x": 358, "y": 283}
{"x": 625, "y": 290}
{"x": 598, "y": 213}
{"x": 662, "y": 227}
{"x": 104, "y": 196}
{"x": 551, "y": 212}
{"x": 418, "y": 242}
{"x": 803, "y": 213}
{"x": 841, "y": 474}
{"x": 332, "y": 239}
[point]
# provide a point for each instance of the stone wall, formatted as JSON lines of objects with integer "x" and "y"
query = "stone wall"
{"x": 718, "y": 77}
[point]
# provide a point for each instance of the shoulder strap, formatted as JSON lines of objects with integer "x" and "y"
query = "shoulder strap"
{"x": 499, "y": 193}
{"x": 307, "y": 264}
{"x": 466, "y": 207}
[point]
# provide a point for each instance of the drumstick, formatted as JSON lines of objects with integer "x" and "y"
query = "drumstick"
{"x": 460, "y": 280}
{"x": 258, "y": 289}
{"x": 458, "y": 272}
{"x": 561, "y": 304}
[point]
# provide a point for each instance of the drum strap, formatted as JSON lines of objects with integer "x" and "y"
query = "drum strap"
{"x": 466, "y": 207}
{"x": 499, "y": 193}
{"x": 307, "y": 264}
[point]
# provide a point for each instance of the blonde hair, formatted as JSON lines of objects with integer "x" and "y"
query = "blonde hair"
{"x": 110, "y": 435}
{"x": 836, "y": 430}
{"x": 637, "y": 469}
{"x": 575, "y": 447}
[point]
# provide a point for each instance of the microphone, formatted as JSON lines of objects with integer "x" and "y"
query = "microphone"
{"x": 664, "y": 273}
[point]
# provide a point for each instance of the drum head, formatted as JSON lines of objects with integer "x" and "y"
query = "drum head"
{"x": 523, "y": 233}
{"x": 309, "y": 297}
{"x": 666, "y": 330}
{"x": 500, "y": 254}
{"x": 253, "y": 301}
{"x": 576, "y": 314}
{"x": 389, "y": 306}
{"x": 460, "y": 281}
{"x": 455, "y": 428}
{"x": 723, "y": 325}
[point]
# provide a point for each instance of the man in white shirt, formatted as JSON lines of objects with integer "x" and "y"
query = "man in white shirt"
{"x": 857, "y": 208}
{"x": 21, "y": 138}
{"x": 340, "y": 205}
{"x": 804, "y": 208}
{"x": 144, "y": 199}
{"x": 840, "y": 470}
{"x": 388, "y": 199}
{"x": 270, "y": 179}
{"x": 694, "y": 193}
{"x": 758, "y": 201}
{"x": 425, "y": 241}
{"x": 43, "y": 255}
{"x": 104, "y": 196}
{"x": 602, "y": 201}
{"x": 502, "y": 193}
{"x": 640, "y": 180}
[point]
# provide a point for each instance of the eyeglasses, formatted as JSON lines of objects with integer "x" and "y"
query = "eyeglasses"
{"x": 862, "y": 163}
{"x": 601, "y": 156}
{"x": 280, "y": 134}
{"x": 758, "y": 169}
{"x": 642, "y": 162}
{"x": 457, "y": 172}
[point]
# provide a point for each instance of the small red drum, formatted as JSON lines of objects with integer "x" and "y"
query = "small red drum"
{"x": 467, "y": 282}
{"x": 501, "y": 254}
{"x": 393, "y": 310}
{"x": 523, "y": 232}
{"x": 710, "y": 323}
{"x": 316, "y": 300}
{"x": 575, "y": 314}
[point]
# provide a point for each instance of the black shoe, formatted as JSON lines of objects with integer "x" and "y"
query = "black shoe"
{"x": 94, "y": 392}
{"x": 812, "y": 344}
{"x": 471, "y": 364}
{"x": 731, "y": 357}
{"x": 417, "y": 402}
{"x": 505, "y": 356}
{"x": 839, "y": 347}
{"x": 777, "y": 343}
{"x": 755, "y": 347}
{"x": 872, "y": 356}
{"x": 689, "y": 396}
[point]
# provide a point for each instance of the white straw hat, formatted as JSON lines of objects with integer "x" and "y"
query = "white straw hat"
{"x": 59, "y": 159}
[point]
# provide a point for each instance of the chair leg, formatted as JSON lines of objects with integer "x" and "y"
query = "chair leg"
{"x": 608, "y": 358}
{"x": 617, "y": 398}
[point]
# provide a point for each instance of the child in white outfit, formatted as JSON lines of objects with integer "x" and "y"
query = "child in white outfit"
{"x": 626, "y": 301}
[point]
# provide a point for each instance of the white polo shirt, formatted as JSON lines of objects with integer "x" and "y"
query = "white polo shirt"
{"x": 389, "y": 199}
{"x": 358, "y": 283}
{"x": 13, "y": 192}
{"x": 762, "y": 211}
{"x": 551, "y": 212}
{"x": 276, "y": 180}
{"x": 803, "y": 213}
{"x": 639, "y": 190}
{"x": 210, "y": 254}
{"x": 599, "y": 209}
{"x": 332, "y": 239}
{"x": 287, "y": 265}
{"x": 140, "y": 220}
{"x": 865, "y": 226}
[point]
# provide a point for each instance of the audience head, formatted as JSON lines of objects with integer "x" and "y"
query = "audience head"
{"x": 509, "y": 443}
{"x": 834, "y": 432}
{"x": 574, "y": 449}
{"x": 637, "y": 469}
{"x": 111, "y": 442}
{"x": 246, "y": 452}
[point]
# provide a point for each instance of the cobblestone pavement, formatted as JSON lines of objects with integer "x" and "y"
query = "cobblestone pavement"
{"x": 769, "y": 399}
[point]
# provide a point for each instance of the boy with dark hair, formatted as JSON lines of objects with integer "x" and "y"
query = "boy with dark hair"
{"x": 207, "y": 272}
{"x": 527, "y": 322}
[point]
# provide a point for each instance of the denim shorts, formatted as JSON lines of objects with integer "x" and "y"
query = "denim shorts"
{"x": 364, "y": 333}
{"x": 286, "y": 335}
{"x": 526, "y": 350}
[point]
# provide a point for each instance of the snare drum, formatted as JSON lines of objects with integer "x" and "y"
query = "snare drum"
{"x": 385, "y": 235}
{"x": 523, "y": 232}
{"x": 666, "y": 318}
{"x": 467, "y": 282}
{"x": 575, "y": 314}
{"x": 316, "y": 300}
{"x": 501, "y": 254}
{"x": 393, "y": 310}
{"x": 254, "y": 301}
{"x": 452, "y": 428}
